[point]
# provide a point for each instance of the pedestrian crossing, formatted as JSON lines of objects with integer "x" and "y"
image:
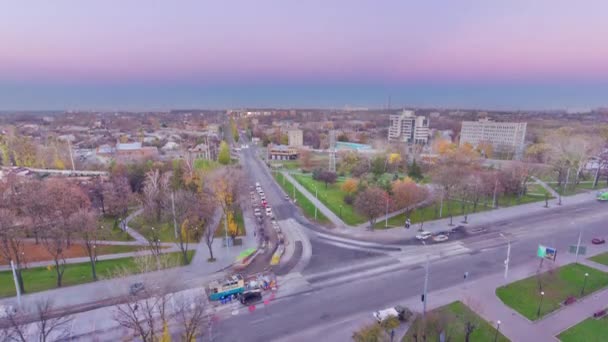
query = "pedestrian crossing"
{"x": 407, "y": 258}
{"x": 355, "y": 244}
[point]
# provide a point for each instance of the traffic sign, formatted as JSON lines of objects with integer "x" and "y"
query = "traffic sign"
{"x": 582, "y": 250}
{"x": 546, "y": 252}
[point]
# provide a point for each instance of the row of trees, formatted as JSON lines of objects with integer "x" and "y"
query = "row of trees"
{"x": 54, "y": 212}
{"x": 190, "y": 204}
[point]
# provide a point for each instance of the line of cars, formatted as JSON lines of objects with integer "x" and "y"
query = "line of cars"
{"x": 257, "y": 211}
{"x": 437, "y": 237}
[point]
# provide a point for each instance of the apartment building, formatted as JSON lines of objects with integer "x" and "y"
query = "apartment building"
{"x": 409, "y": 128}
{"x": 506, "y": 137}
{"x": 295, "y": 137}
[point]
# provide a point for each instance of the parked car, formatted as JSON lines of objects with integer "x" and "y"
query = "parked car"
{"x": 257, "y": 212}
{"x": 424, "y": 235}
{"x": 136, "y": 288}
{"x": 287, "y": 197}
{"x": 440, "y": 238}
{"x": 598, "y": 241}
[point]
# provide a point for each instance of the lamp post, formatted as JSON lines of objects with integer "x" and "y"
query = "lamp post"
{"x": 497, "y": 330}
{"x": 540, "y": 303}
{"x": 584, "y": 284}
{"x": 386, "y": 216}
{"x": 317, "y": 197}
{"x": 508, "y": 255}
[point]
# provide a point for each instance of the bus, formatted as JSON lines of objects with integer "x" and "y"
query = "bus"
{"x": 230, "y": 286}
{"x": 603, "y": 196}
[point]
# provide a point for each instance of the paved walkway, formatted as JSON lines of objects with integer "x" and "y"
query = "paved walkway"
{"x": 546, "y": 187}
{"x": 320, "y": 206}
{"x": 134, "y": 233}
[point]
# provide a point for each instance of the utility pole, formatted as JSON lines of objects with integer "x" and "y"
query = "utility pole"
{"x": 441, "y": 206}
{"x": 507, "y": 260}
{"x": 317, "y": 197}
{"x": 71, "y": 157}
{"x": 426, "y": 283}
{"x": 16, "y": 284}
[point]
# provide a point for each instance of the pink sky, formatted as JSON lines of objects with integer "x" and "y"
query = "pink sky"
{"x": 303, "y": 41}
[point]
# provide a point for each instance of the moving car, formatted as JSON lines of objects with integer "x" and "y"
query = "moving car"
{"x": 440, "y": 238}
{"x": 268, "y": 211}
{"x": 400, "y": 312}
{"x": 251, "y": 296}
{"x": 598, "y": 241}
{"x": 257, "y": 212}
{"x": 424, "y": 235}
{"x": 136, "y": 288}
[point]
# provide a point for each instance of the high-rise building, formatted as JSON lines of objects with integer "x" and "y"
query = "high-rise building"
{"x": 295, "y": 137}
{"x": 409, "y": 128}
{"x": 505, "y": 137}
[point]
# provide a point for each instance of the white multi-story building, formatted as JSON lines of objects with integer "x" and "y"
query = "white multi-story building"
{"x": 409, "y": 128}
{"x": 295, "y": 137}
{"x": 505, "y": 137}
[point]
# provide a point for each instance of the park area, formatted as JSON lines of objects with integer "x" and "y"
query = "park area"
{"x": 453, "y": 320}
{"x": 558, "y": 285}
{"x": 332, "y": 197}
{"x": 600, "y": 258}
{"x": 45, "y": 278}
{"x": 307, "y": 207}
{"x": 589, "y": 330}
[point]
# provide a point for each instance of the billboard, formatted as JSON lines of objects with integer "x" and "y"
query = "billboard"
{"x": 546, "y": 252}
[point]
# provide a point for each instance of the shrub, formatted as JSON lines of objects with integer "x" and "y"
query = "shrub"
{"x": 349, "y": 199}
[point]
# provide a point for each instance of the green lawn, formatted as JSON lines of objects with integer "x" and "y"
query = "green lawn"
{"x": 589, "y": 330}
{"x": 451, "y": 319}
{"x": 572, "y": 189}
{"x": 205, "y": 165}
{"x": 601, "y": 258}
{"x": 240, "y": 223}
{"x": 512, "y": 200}
{"x": 111, "y": 231}
{"x": 143, "y": 226}
{"x": 524, "y": 295}
{"x": 307, "y": 207}
{"x": 41, "y": 279}
{"x": 431, "y": 212}
{"x": 332, "y": 197}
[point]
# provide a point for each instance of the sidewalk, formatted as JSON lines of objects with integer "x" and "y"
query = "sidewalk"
{"x": 320, "y": 206}
{"x": 480, "y": 295}
{"x": 395, "y": 235}
{"x": 135, "y": 234}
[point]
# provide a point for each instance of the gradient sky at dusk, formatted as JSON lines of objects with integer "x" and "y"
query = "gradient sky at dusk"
{"x": 164, "y": 54}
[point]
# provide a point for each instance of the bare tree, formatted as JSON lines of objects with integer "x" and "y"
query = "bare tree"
{"x": 117, "y": 194}
{"x": 156, "y": 187}
{"x": 407, "y": 195}
{"x": 84, "y": 223}
{"x": 143, "y": 317}
{"x": 227, "y": 187}
{"x": 371, "y": 203}
{"x": 209, "y": 236}
{"x": 55, "y": 242}
{"x": 191, "y": 214}
{"x": 46, "y": 324}
{"x": 12, "y": 238}
{"x": 190, "y": 316}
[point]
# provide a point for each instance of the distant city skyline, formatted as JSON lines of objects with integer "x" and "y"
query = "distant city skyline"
{"x": 520, "y": 54}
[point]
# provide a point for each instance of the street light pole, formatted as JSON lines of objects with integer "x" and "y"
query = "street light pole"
{"x": 386, "y": 216}
{"x": 16, "y": 284}
{"x": 578, "y": 244}
{"x": 507, "y": 260}
{"x": 317, "y": 197}
{"x": 497, "y": 330}
{"x": 426, "y": 283}
{"x": 540, "y": 304}
{"x": 584, "y": 284}
{"x": 340, "y": 211}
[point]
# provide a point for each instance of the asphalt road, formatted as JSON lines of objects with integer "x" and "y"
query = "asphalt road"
{"x": 322, "y": 303}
